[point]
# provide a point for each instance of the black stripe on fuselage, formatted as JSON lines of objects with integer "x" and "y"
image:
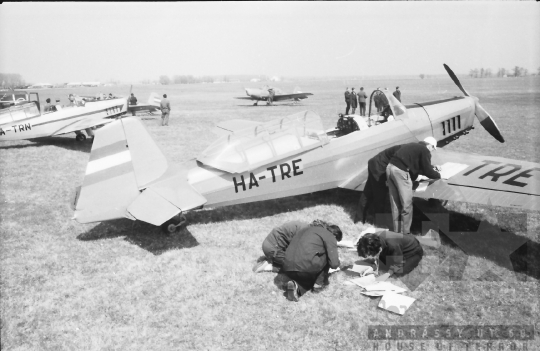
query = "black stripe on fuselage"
{"x": 420, "y": 104}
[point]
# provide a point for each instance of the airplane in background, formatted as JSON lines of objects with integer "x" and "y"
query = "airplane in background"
{"x": 23, "y": 118}
{"x": 127, "y": 175}
{"x": 262, "y": 95}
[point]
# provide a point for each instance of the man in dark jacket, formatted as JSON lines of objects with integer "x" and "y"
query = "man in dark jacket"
{"x": 310, "y": 255}
{"x": 347, "y": 101}
{"x": 165, "y": 110}
{"x": 410, "y": 161}
{"x": 354, "y": 101}
{"x": 275, "y": 245}
{"x": 397, "y": 94}
{"x": 401, "y": 253}
{"x": 132, "y": 101}
{"x": 375, "y": 192}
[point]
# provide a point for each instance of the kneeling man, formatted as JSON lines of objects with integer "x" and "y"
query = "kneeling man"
{"x": 310, "y": 255}
{"x": 400, "y": 252}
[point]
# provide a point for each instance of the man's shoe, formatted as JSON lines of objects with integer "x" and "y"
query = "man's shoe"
{"x": 292, "y": 291}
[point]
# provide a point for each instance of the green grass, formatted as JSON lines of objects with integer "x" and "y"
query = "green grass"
{"x": 121, "y": 285}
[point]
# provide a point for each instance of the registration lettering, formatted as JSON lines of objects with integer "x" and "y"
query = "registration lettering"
{"x": 500, "y": 171}
{"x": 17, "y": 128}
{"x": 277, "y": 173}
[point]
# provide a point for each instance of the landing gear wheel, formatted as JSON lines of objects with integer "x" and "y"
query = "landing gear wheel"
{"x": 173, "y": 224}
{"x": 80, "y": 137}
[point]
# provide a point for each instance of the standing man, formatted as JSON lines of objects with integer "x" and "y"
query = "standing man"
{"x": 362, "y": 101}
{"x": 375, "y": 193}
{"x": 310, "y": 255}
{"x": 410, "y": 161}
{"x": 397, "y": 94}
{"x": 132, "y": 101}
{"x": 354, "y": 101}
{"x": 271, "y": 94}
{"x": 165, "y": 110}
{"x": 347, "y": 101}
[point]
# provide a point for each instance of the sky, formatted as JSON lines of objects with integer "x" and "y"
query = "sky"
{"x": 129, "y": 42}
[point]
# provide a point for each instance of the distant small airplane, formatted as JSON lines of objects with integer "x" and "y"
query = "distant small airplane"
{"x": 262, "y": 95}
{"x": 24, "y": 119}
{"x": 127, "y": 175}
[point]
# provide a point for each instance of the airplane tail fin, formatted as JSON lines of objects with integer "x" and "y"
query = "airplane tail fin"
{"x": 128, "y": 176}
{"x": 154, "y": 99}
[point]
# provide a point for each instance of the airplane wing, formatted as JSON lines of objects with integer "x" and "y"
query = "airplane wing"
{"x": 291, "y": 96}
{"x": 245, "y": 98}
{"x": 485, "y": 180}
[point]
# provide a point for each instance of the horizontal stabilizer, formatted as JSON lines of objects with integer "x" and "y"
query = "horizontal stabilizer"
{"x": 152, "y": 208}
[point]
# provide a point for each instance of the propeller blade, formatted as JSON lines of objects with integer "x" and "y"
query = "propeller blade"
{"x": 455, "y": 79}
{"x": 488, "y": 122}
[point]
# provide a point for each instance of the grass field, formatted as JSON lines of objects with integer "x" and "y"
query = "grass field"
{"x": 122, "y": 285}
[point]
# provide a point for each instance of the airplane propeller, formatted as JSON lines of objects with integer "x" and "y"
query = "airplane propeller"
{"x": 483, "y": 116}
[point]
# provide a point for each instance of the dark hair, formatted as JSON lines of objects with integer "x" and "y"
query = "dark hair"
{"x": 368, "y": 245}
{"x": 332, "y": 228}
{"x": 164, "y": 95}
{"x": 48, "y": 100}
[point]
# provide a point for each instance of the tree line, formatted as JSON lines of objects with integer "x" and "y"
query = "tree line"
{"x": 12, "y": 80}
{"x": 501, "y": 72}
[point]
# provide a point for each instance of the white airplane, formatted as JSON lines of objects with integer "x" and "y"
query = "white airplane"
{"x": 128, "y": 176}
{"x": 26, "y": 120}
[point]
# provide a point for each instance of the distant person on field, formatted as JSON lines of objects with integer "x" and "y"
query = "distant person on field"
{"x": 347, "y": 100}
{"x": 362, "y": 101}
{"x": 309, "y": 257}
{"x": 401, "y": 253}
{"x": 132, "y": 101}
{"x": 354, "y": 101}
{"x": 165, "y": 110}
{"x": 397, "y": 94}
{"x": 111, "y": 96}
{"x": 271, "y": 95}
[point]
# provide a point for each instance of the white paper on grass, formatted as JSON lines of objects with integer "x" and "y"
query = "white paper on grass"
{"x": 396, "y": 303}
{"x": 361, "y": 269}
{"x": 364, "y": 281}
{"x": 385, "y": 286}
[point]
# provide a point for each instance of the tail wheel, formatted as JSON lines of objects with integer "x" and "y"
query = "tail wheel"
{"x": 173, "y": 224}
{"x": 80, "y": 137}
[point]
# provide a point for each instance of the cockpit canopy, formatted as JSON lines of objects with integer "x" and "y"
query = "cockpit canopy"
{"x": 249, "y": 148}
{"x": 384, "y": 99}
